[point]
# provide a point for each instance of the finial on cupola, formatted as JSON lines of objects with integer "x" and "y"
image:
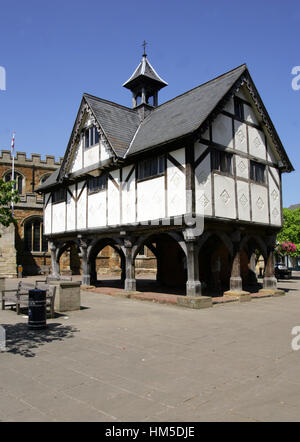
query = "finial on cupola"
{"x": 145, "y": 83}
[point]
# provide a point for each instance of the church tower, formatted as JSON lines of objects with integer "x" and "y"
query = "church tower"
{"x": 144, "y": 84}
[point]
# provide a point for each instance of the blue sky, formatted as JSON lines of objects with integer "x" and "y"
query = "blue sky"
{"x": 54, "y": 51}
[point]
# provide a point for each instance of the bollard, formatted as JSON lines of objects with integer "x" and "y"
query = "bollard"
{"x": 20, "y": 271}
{"x": 37, "y": 316}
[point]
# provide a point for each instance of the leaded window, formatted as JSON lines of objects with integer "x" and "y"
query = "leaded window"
{"x": 151, "y": 167}
{"x": 33, "y": 236}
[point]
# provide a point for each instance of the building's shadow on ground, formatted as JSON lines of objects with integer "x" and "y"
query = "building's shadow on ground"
{"x": 22, "y": 341}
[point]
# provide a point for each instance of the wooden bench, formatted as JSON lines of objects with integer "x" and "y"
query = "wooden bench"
{"x": 19, "y": 297}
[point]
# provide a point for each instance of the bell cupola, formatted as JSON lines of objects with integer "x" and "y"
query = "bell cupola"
{"x": 144, "y": 84}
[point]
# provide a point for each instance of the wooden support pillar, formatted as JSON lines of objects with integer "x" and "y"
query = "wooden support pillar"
{"x": 54, "y": 262}
{"x": 270, "y": 282}
{"x": 236, "y": 283}
{"x": 85, "y": 266}
{"x": 193, "y": 285}
{"x": 130, "y": 281}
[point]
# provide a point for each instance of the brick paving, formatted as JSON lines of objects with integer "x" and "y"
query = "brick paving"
{"x": 124, "y": 360}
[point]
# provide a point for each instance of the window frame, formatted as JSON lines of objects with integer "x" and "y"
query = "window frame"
{"x": 254, "y": 173}
{"x": 101, "y": 187}
{"x": 63, "y": 198}
{"x": 221, "y": 162}
{"x": 43, "y": 243}
{"x": 154, "y": 170}
{"x": 239, "y": 111}
{"x": 93, "y": 136}
{"x": 17, "y": 177}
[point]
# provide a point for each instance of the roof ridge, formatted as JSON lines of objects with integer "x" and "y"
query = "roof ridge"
{"x": 201, "y": 85}
{"x": 85, "y": 94}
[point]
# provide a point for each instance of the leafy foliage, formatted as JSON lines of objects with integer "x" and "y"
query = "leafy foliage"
{"x": 8, "y": 195}
{"x": 290, "y": 232}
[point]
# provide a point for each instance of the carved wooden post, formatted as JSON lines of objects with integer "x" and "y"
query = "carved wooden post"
{"x": 193, "y": 285}
{"x": 130, "y": 281}
{"x": 83, "y": 245}
{"x": 236, "y": 283}
{"x": 54, "y": 262}
{"x": 270, "y": 282}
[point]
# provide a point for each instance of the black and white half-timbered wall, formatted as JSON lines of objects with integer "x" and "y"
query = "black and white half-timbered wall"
{"x": 130, "y": 175}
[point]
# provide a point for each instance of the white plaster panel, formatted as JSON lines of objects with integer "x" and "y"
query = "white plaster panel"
{"x": 128, "y": 196}
{"x": 257, "y": 146}
{"x": 114, "y": 199}
{"x": 199, "y": 149}
{"x": 91, "y": 155}
{"x": 224, "y": 196}
{"x": 240, "y": 136}
{"x": 58, "y": 217}
{"x": 243, "y": 200}
{"x": 249, "y": 114}
{"x": 259, "y": 202}
{"x": 104, "y": 152}
{"x": 176, "y": 185}
{"x": 47, "y": 215}
{"x": 81, "y": 206}
{"x": 274, "y": 196}
{"x": 151, "y": 199}
{"x": 97, "y": 209}
{"x": 222, "y": 131}
{"x": 77, "y": 158}
{"x": 71, "y": 213}
{"x": 203, "y": 195}
{"x": 242, "y": 167}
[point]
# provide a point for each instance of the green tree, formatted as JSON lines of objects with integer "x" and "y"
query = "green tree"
{"x": 290, "y": 231}
{"x": 8, "y": 195}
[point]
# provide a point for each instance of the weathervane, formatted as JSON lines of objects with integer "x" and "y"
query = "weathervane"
{"x": 144, "y": 46}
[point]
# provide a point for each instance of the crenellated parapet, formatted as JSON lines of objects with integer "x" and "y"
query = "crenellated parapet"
{"x": 35, "y": 159}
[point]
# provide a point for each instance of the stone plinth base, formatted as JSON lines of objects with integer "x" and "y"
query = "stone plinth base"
{"x": 194, "y": 301}
{"x": 242, "y": 295}
{"x": 272, "y": 292}
{"x": 67, "y": 297}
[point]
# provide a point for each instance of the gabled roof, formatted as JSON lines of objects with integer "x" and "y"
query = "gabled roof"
{"x": 184, "y": 114}
{"x": 119, "y": 123}
{"x": 145, "y": 70}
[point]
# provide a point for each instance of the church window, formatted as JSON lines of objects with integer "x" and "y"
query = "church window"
{"x": 33, "y": 236}
{"x": 97, "y": 183}
{"x": 18, "y": 178}
{"x": 59, "y": 196}
{"x": 257, "y": 172}
{"x": 222, "y": 161}
{"x": 151, "y": 167}
{"x": 238, "y": 108}
{"x": 91, "y": 137}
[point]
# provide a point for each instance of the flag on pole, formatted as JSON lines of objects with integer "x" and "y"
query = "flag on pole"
{"x": 13, "y": 143}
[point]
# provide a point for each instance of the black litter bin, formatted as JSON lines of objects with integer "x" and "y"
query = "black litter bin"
{"x": 37, "y": 309}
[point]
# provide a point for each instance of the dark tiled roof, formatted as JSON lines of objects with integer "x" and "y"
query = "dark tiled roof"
{"x": 184, "y": 114}
{"x": 50, "y": 182}
{"x": 119, "y": 123}
{"x": 145, "y": 69}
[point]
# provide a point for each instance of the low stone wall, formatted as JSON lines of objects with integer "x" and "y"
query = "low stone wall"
{"x": 8, "y": 260}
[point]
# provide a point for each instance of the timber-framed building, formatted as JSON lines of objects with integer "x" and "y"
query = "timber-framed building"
{"x": 140, "y": 176}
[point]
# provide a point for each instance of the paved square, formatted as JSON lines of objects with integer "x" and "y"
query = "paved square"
{"x": 128, "y": 360}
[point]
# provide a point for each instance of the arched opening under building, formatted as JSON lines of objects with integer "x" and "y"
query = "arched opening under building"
{"x": 253, "y": 255}
{"x": 215, "y": 262}
{"x": 107, "y": 264}
{"x": 166, "y": 265}
{"x": 69, "y": 259}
